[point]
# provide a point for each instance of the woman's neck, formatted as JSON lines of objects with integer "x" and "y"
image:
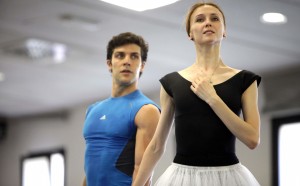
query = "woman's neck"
{"x": 208, "y": 57}
{"x": 208, "y": 62}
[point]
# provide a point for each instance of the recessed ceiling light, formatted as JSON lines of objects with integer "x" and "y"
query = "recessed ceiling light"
{"x": 140, "y": 5}
{"x": 272, "y": 17}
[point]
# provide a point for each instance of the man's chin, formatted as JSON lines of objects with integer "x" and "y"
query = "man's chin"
{"x": 127, "y": 82}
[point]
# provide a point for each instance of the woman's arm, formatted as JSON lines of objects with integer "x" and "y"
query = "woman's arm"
{"x": 246, "y": 130}
{"x": 156, "y": 147}
{"x": 84, "y": 181}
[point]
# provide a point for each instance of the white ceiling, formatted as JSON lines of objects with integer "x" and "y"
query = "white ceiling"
{"x": 40, "y": 86}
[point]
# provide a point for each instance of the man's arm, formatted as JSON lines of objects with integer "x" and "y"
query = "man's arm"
{"x": 146, "y": 121}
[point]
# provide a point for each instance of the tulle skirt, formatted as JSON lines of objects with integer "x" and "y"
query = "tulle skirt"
{"x": 183, "y": 175}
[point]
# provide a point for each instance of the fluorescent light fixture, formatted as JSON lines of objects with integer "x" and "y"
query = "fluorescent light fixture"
{"x": 59, "y": 52}
{"x": 37, "y": 48}
{"x": 275, "y": 18}
{"x": 140, "y": 5}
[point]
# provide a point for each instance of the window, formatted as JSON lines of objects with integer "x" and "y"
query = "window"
{"x": 43, "y": 169}
{"x": 286, "y": 151}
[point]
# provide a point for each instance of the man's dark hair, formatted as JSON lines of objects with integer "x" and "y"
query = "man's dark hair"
{"x": 127, "y": 38}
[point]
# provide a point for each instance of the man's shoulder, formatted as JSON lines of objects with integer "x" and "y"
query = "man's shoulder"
{"x": 149, "y": 108}
{"x": 148, "y": 102}
{"x": 147, "y": 114}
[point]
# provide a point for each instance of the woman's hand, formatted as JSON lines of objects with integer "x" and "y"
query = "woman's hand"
{"x": 203, "y": 88}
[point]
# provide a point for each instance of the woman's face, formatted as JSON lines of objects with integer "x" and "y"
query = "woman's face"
{"x": 207, "y": 25}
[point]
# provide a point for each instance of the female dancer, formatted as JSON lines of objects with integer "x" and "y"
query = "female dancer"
{"x": 206, "y": 99}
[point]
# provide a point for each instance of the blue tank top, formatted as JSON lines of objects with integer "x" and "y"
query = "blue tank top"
{"x": 109, "y": 131}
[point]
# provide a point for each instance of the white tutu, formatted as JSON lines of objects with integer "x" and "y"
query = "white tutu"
{"x": 183, "y": 175}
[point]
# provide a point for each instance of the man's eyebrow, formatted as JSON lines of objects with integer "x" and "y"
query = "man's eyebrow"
{"x": 126, "y": 52}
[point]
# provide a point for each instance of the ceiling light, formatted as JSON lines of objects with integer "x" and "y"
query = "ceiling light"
{"x": 139, "y": 5}
{"x": 276, "y": 18}
{"x": 59, "y": 52}
{"x": 38, "y": 49}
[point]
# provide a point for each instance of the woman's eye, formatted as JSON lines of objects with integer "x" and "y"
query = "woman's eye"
{"x": 199, "y": 20}
{"x": 215, "y": 19}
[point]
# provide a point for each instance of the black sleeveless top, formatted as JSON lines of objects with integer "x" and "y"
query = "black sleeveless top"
{"x": 201, "y": 137}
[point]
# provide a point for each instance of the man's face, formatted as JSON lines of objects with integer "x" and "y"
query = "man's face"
{"x": 126, "y": 64}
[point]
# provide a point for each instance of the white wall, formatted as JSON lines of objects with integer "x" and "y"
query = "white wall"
{"x": 259, "y": 160}
{"x": 29, "y": 135}
{"x": 38, "y": 134}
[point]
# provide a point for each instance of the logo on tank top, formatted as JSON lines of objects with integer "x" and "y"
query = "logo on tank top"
{"x": 103, "y": 117}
